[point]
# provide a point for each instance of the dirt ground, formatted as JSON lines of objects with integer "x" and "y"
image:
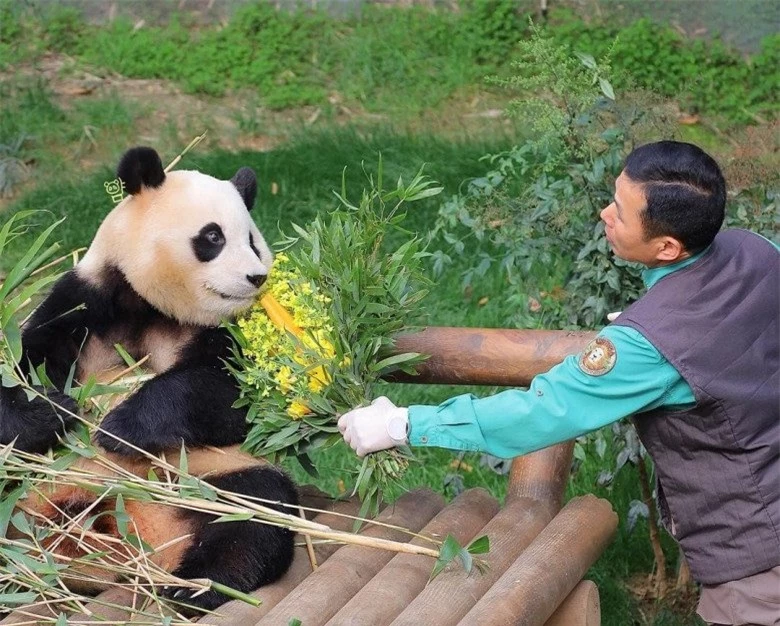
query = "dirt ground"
{"x": 168, "y": 118}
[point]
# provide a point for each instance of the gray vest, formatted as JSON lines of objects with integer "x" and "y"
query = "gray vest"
{"x": 718, "y": 464}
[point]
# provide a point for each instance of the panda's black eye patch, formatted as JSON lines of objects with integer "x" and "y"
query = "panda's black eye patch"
{"x": 208, "y": 243}
{"x": 252, "y": 245}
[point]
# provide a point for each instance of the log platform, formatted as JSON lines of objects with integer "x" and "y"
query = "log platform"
{"x": 539, "y": 549}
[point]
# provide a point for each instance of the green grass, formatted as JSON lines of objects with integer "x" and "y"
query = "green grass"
{"x": 388, "y": 59}
{"x": 305, "y": 171}
{"x": 49, "y": 137}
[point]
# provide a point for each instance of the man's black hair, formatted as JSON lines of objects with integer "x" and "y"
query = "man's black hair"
{"x": 684, "y": 189}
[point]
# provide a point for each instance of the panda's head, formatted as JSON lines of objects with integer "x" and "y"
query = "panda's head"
{"x": 185, "y": 241}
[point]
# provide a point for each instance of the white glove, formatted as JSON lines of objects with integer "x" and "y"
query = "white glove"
{"x": 613, "y": 316}
{"x": 379, "y": 426}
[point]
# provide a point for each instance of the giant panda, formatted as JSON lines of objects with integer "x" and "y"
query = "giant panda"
{"x": 173, "y": 259}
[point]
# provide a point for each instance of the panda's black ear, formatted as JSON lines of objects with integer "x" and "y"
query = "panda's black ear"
{"x": 246, "y": 183}
{"x": 140, "y": 167}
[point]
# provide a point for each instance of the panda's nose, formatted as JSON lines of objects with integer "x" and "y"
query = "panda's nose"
{"x": 256, "y": 279}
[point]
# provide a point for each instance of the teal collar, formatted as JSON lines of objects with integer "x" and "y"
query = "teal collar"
{"x": 652, "y": 275}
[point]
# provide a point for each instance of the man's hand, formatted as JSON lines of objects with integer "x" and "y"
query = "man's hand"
{"x": 379, "y": 426}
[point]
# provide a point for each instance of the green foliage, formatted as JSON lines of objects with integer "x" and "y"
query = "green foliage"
{"x": 64, "y": 28}
{"x": 704, "y": 75}
{"x": 537, "y": 207}
{"x": 391, "y": 58}
{"x": 493, "y": 28}
{"x": 32, "y": 122}
{"x": 535, "y": 211}
{"x": 375, "y": 291}
{"x": 15, "y": 295}
{"x": 758, "y": 209}
{"x": 304, "y": 179}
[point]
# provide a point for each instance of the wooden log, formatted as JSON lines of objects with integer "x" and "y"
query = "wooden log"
{"x": 487, "y": 356}
{"x": 542, "y": 475}
{"x": 399, "y": 582}
{"x": 450, "y": 596}
{"x": 27, "y": 614}
{"x": 238, "y": 613}
{"x": 580, "y": 608}
{"x": 124, "y": 601}
{"x": 535, "y": 585}
{"x": 315, "y": 600}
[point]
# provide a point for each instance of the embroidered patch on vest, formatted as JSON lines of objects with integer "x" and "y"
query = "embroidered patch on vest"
{"x": 599, "y": 357}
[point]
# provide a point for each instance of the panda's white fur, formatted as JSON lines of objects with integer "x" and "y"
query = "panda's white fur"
{"x": 177, "y": 256}
{"x": 147, "y": 236}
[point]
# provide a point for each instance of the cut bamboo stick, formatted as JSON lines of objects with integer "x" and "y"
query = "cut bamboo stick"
{"x": 315, "y": 600}
{"x": 392, "y": 589}
{"x": 546, "y": 572}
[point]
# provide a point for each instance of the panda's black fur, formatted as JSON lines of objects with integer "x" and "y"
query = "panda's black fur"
{"x": 190, "y": 400}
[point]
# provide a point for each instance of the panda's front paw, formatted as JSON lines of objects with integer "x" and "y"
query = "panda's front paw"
{"x": 34, "y": 424}
{"x": 128, "y": 425}
{"x": 118, "y": 429}
{"x": 190, "y": 603}
{"x": 111, "y": 444}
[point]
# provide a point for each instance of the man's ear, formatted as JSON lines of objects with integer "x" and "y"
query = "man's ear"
{"x": 670, "y": 250}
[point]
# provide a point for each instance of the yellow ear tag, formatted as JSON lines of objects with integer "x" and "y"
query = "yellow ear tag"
{"x": 115, "y": 189}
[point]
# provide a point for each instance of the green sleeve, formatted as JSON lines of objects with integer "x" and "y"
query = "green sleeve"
{"x": 561, "y": 404}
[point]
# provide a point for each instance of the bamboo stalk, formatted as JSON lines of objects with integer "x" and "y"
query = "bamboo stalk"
{"x": 309, "y": 546}
{"x": 72, "y": 254}
{"x": 189, "y": 147}
{"x": 129, "y": 369}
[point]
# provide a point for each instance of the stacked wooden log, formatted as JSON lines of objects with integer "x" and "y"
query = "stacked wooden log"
{"x": 539, "y": 552}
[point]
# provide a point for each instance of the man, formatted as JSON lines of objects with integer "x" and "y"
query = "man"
{"x": 695, "y": 360}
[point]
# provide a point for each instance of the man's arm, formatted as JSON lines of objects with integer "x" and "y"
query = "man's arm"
{"x": 618, "y": 375}
{"x": 581, "y": 394}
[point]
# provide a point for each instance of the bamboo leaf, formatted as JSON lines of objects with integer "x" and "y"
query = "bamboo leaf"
{"x": 233, "y": 517}
{"x": 121, "y": 516}
{"x": 425, "y": 193}
{"x": 13, "y": 339}
{"x": 396, "y": 359}
{"x": 481, "y": 545}
{"x": 29, "y": 262}
{"x": 126, "y": 357}
{"x": 606, "y": 88}
{"x": 449, "y": 550}
{"x": 7, "y": 505}
{"x": 19, "y": 520}
{"x": 26, "y": 597}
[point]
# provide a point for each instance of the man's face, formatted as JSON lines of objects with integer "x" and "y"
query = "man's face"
{"x": 623, "y": 223}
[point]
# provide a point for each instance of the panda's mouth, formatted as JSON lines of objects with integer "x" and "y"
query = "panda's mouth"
{"x": 227, "y": 296}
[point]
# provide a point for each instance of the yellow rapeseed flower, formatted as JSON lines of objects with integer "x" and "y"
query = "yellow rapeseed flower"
{"x": 297, "y": 410}
{"x": 294, "y": 306}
